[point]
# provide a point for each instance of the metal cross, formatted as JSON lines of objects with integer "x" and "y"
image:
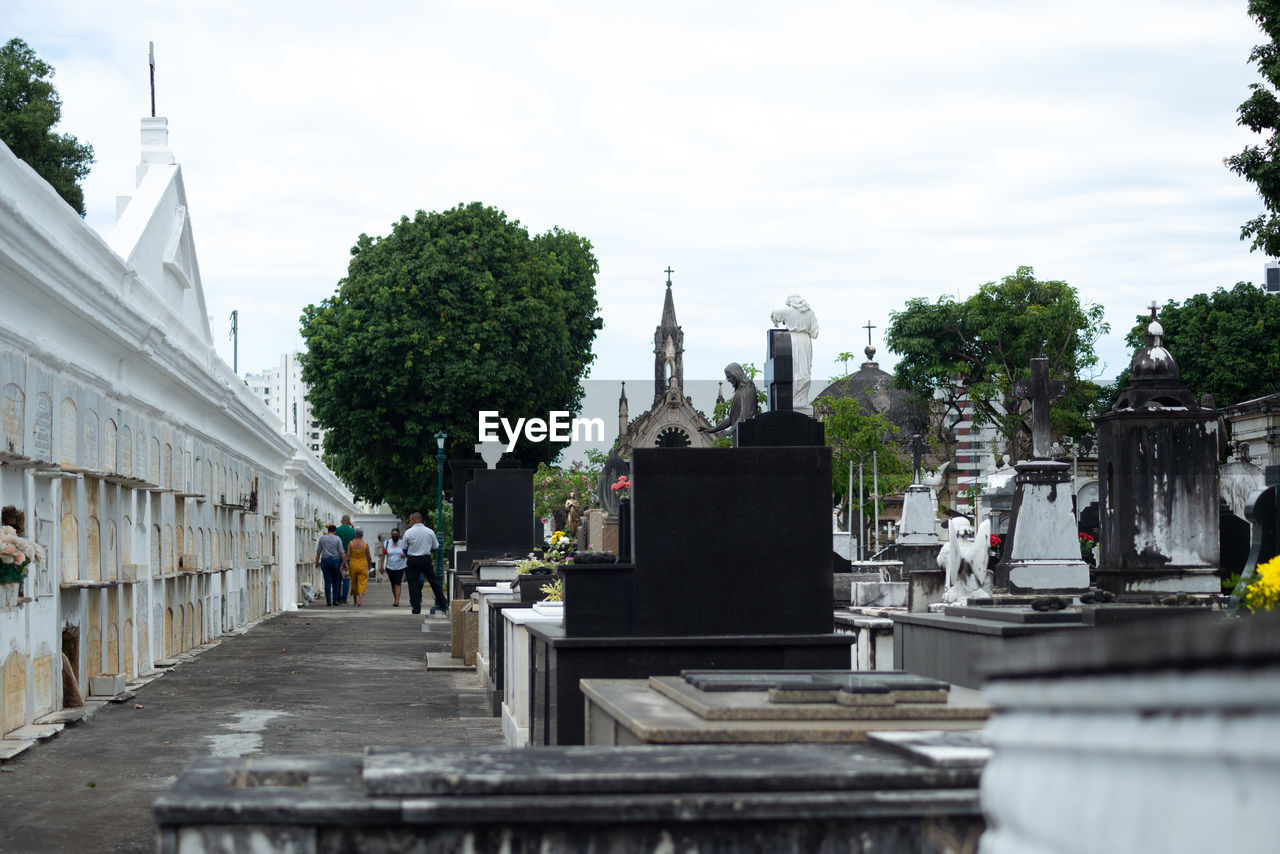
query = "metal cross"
{"x": 869, "y": 327}
{"x": 151, "y": 61}
{"x": 668, "y": 271}
{"x": 1154, "y": 308}
{"x": 1042, "y": 392}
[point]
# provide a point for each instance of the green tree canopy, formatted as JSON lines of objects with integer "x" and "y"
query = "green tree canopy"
{"x": 1260, "y": 113}
{"x": 450, "y": 314}
{"x": 29, "y": 108}
{"x": 986, "y": 343}
{"x": 1226, "y": 343}
{"x": 853, "y": 437}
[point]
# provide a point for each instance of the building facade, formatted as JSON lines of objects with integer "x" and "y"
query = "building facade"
{"x": 169, "y": 506}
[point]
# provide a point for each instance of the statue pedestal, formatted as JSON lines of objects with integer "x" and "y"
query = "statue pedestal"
{"x": 919, "y": 523}
{"x": 1042, "y": 554}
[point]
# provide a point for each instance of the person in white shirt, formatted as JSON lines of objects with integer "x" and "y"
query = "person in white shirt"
{"x": 392, "y": 563}
{"x": 419, "y": 542}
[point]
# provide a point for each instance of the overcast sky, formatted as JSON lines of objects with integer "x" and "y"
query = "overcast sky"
{"x": 858, "y": 154}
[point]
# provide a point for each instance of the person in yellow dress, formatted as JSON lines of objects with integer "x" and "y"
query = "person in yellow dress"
{"x": 359, "y": 558}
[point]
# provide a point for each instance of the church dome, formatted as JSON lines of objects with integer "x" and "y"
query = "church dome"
{"x": 875, "y": 392}
{"x": 1154, "y": 362}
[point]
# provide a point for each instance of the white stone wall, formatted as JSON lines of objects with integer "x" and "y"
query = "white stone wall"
{"x": 161, "y": 489}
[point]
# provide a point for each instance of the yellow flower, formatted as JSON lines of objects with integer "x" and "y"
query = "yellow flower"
{"x": 1263, "y": 592}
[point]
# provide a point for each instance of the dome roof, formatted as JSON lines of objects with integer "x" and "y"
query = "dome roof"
{"x": 1154, "y": 382}
{"x": 1154, "y": 362}
{"x": 875, "y": 392}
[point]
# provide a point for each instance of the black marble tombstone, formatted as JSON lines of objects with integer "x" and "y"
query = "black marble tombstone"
{"x": 778, "y": 376}
{"x": 499, "y": 503}
{"x": 719, "y": 535}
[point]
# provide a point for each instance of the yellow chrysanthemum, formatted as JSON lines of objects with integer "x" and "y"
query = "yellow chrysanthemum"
{"x": 1263, "y": 592}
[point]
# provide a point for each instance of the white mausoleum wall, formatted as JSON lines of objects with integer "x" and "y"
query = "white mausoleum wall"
{"x": 170, "y": 506}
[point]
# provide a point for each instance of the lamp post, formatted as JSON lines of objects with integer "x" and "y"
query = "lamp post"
{"x": 440, "y": 440}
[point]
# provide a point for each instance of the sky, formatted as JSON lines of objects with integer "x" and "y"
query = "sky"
{"x": 856, "y": 153}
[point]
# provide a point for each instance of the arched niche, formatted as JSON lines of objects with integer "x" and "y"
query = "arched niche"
{"x": 13, "y": 413}
{"x": 70, "y": 435}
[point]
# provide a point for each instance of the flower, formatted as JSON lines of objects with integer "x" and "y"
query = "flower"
{"x": 1263, "y": 592}
{"x": 16, "y": 554}
{"x": 994, "y": 545}
{"x": 621, "y": 486}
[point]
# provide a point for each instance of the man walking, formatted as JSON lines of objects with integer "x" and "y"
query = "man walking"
{"x": 329, "y": 561}
{"x": 346, "y": 533}
{"x": 419, "y": 542}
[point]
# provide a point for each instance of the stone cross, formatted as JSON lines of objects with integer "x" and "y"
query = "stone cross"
{"x": 1042, "y": 392}
{"x": 918, "y": 446}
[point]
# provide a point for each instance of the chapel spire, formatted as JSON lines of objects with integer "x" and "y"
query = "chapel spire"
{"x": 668, "y": 348}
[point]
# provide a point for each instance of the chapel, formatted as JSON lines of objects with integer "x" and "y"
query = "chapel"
{"x": 671, "y": 420}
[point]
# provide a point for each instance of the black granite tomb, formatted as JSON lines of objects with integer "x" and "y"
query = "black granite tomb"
{"x": 498, "y": 504}
{"x": 732, "y": 569}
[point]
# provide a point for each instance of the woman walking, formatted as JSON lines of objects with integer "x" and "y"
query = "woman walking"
{"x": 392, "y": 561}
{"x": 329, "y": 560}
{"x": 359, "y": 559}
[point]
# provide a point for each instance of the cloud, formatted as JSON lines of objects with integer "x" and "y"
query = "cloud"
{"x": 857, "y": 153}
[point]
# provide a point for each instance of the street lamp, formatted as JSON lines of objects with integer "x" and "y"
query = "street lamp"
{"x": 440, "y": 439}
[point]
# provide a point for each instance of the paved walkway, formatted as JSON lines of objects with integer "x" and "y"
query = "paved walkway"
{"x": 315, "y": 681}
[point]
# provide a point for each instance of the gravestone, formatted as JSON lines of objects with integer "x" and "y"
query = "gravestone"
{"x": 706, "y": 589}
{"x": 1042, "y": 550}
{"x": 1158, "y": 452}
{"x": 778, "y": 371}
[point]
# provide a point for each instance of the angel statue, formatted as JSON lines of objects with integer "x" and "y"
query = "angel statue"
{"x": 964, "y": 557}
{"x": 802, "y": 323}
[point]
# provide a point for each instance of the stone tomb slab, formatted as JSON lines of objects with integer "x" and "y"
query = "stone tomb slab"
{"x": 832, "y": 704}
{"x": 777, "y": 798}
{"x": 628, "y": 712}
{"x": 1016, "y": 614}
{"x": 763, "y": 680}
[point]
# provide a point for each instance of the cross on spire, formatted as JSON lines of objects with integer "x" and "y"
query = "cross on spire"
{"x": 1154, "y": 308}
{"x": 668, "y": 271}
{"x": 869, "y": 327}
{"x": 1042, "y": 392}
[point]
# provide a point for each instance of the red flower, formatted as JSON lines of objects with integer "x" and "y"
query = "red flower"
{"x": 1085, "y": 538}
{"x": 995, "y": 540}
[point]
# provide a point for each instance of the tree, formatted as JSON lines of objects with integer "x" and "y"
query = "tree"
{"x": 853, "y": 437}
{"x": 982, "y": 345}
{"x": 1260, "y": 113}
{"x": 29, "y": 108}
{"x": 450, "y": 314}
{"x": 1226, "y": 343}
{"x": 552, "y": 484}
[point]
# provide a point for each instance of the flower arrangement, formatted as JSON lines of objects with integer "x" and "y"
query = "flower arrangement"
{"x": 993, "y": 548}
{"x": 1263, "y": 592}
{"x": 1087, "y": 546}
{"x": 621, "y": 487}
{"x": 16, "y": 555}
{"x": 559, "y": 551}
{"x": 553, "y": 591}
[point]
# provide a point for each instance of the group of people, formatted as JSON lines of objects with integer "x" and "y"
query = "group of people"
{"x": 345, "y": 558}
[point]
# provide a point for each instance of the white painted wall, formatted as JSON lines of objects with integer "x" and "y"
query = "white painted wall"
{"x": 128, "y": 444}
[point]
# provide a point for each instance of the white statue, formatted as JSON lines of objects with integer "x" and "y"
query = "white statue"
{"x": 802, "y": 323}
{"x": 964, "y": 557}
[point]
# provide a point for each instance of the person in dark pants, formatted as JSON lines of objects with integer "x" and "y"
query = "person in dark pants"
{"x": 346, "y": 533}
{"x": 419, "y": 542}
{"x": 329, "y": 561}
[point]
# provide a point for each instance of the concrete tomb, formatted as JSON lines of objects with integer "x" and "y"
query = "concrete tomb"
{"x": 1158, "y": 453}
{"x": 1042, "y": 550}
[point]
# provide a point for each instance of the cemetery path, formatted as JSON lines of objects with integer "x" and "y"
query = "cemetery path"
{"x": 314, "y": 681}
